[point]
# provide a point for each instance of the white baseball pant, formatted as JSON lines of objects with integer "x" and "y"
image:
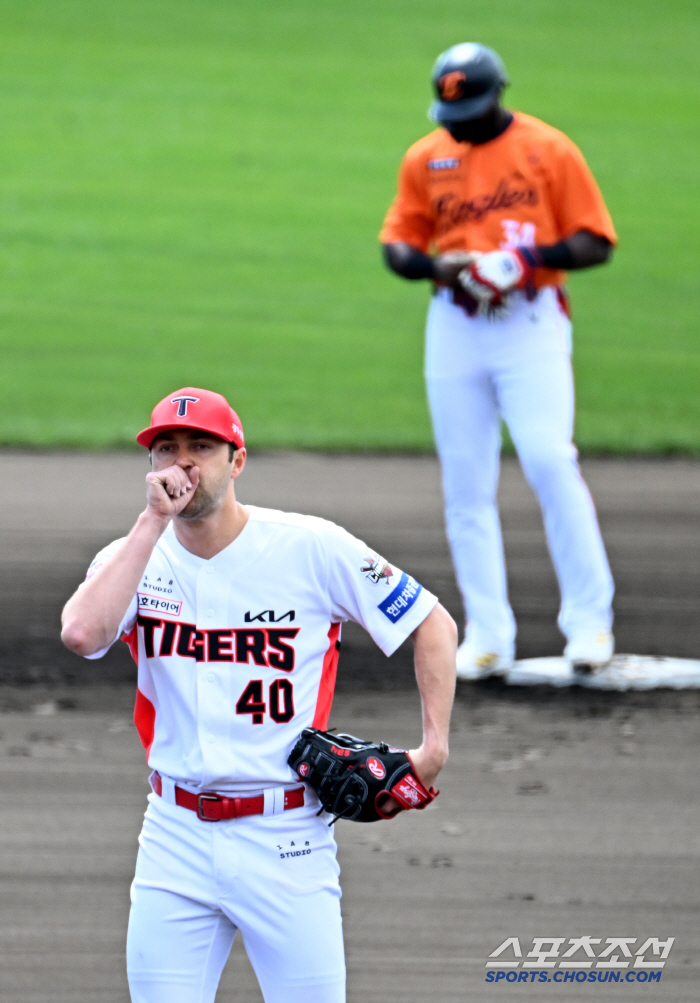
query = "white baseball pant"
{"x": 517, "y": 369}
{"x": 274, "y": 878}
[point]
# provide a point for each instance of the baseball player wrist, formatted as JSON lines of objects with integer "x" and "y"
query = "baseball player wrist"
{"x": 419, "y": 266}
{"x": 557, "y": 256}
{"x": 409, "y": 262}
{"x": 435, "y": 750}
{"x": 530, "y": 257}
{"x": 422, "y": 266}
{"x": 428, "y": 761}
{"x": 152, "y": 522}
{"x": 448, "y": 266}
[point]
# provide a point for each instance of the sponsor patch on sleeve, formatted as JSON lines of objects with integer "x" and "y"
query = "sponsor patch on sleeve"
{"x": 401, "y": 599}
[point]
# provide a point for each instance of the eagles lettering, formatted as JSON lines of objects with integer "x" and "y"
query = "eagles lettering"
{"x": 450, "y": 210}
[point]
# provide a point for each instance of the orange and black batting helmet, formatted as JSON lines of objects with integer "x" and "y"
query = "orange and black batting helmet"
{"x": 467, "y": 79}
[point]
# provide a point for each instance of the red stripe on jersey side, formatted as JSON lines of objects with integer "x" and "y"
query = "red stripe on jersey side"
{"x": 326, "y": 687}
{"x": 145, "y": 720}
{"x": 132, "y": 639}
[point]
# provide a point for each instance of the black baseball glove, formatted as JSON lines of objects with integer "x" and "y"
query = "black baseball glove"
{"x": 353, "y": 778}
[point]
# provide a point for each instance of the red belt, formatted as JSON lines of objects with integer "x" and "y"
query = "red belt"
{"x": 212, "y": 807}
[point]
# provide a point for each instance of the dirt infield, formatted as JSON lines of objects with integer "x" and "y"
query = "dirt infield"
{"x": 58, "y": 509}
{"x": 560, "y": 819}
{"x": 562, "y": 814}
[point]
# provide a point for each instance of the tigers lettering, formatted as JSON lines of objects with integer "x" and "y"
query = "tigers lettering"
{"x": 265, "y": 647}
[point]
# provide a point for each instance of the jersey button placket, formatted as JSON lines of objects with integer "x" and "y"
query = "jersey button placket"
{"x": 212, "y": 679}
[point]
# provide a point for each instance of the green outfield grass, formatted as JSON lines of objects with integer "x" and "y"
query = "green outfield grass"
{"x": 190, "y": 192}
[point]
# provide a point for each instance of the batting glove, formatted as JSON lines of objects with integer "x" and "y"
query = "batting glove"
{"x": 494, "y": 275}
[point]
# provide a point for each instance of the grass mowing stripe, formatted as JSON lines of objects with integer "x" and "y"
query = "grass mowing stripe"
{"x": 190, "y": 192}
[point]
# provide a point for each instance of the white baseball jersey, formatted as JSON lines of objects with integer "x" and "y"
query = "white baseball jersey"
{"x": 237, "y": 654}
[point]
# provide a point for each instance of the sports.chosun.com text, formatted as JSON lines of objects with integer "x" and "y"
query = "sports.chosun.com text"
{"x": 579, "y": 959}
{"x": 572, "y": 977}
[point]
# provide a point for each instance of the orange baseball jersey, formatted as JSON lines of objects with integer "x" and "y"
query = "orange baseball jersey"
{"x": 530, "y": 185}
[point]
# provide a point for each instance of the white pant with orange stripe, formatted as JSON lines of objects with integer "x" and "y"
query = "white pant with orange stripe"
{"x": 273, "y": 877}
{"x": 517, "y": 369}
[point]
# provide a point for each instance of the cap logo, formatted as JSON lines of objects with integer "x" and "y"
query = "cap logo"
{"x": 451, "y": 85}
{"x": 182, "y": 403}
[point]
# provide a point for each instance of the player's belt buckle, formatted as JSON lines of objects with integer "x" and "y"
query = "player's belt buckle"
{"x": 200, "y": 809}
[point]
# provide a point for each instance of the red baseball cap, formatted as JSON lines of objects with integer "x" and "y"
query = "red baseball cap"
{"x": 194, "y": 408}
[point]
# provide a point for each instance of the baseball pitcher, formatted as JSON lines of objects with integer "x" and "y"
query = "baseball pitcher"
{"x": 233, "y": 614}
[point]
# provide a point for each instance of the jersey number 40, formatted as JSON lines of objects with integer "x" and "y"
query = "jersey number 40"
{"x": 280, "y": 701}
